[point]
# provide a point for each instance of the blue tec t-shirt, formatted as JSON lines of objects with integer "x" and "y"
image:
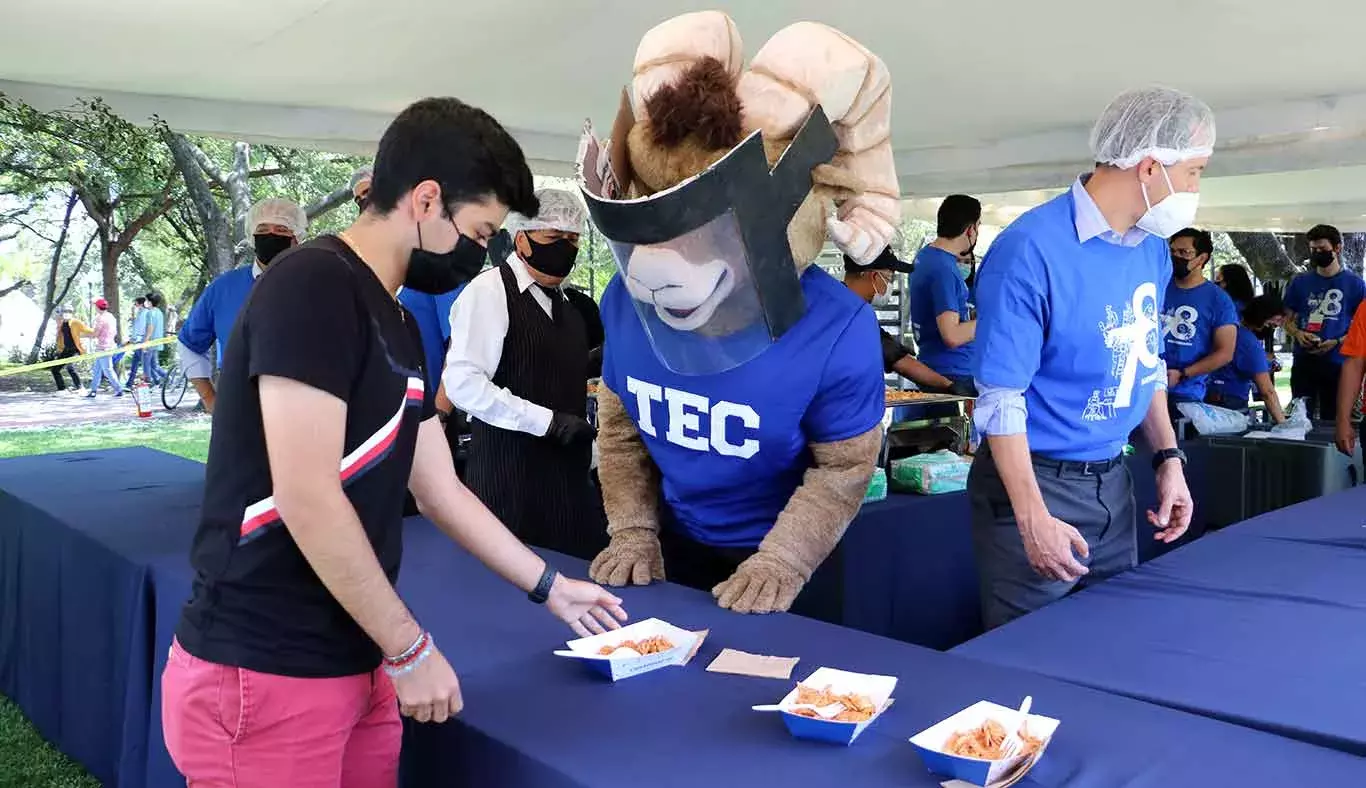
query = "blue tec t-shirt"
{"x": 1076, "y": 326}
{"x": 1324, "y": 305}
{"x": 732, "y": 447}
{"x": 936, "y": 288}
{"x": 1233, "y": 381}
{"x": 214, "y": 314}
{"x": 1189, "y": 319}
{"x": 433, "y": 316}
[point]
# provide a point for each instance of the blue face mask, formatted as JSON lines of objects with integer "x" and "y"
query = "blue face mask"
{"x": 965, "y": 270}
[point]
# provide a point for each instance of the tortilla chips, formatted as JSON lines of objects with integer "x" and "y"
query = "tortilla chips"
{"x": 986, "y": 740}
{"x": 651, "y": 645}
{"x": 857, "y": 708}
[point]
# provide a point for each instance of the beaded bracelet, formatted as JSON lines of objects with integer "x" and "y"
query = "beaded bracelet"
{"x": 397, "y": 668}
{"x": 410, "y": 651}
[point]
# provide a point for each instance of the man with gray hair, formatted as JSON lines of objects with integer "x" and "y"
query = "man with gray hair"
{"x": 517, "y": 364}
{"x": 1068, "y": 361}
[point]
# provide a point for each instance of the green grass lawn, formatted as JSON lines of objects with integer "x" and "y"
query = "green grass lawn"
{"x": 26, "y": 761}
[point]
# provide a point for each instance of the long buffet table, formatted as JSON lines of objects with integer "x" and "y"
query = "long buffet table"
{"x": 91, "y": 583}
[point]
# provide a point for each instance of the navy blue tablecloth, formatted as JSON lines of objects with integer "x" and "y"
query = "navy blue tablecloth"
{"x": 77, "y": 534}
{"x": 1262, "y": 624}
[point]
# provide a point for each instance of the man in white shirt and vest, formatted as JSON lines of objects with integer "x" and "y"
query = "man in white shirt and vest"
{"x": 518, "y": 364}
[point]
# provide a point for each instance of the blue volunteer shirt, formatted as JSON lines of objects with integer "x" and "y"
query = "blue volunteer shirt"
{"x": 212, "y": 318}
{"x": 1324, "y": 305}
{"x": 1075, "y": 324}
{"x": 732, "y": 447}
{"x": 936, "y": 288}
{"x": 1189, "y": 319}
{"x": 1233, "y": 381}
{"x": 433, "y": 316}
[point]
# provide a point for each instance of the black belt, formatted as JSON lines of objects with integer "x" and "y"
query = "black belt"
{"x": 1084, "y": 467}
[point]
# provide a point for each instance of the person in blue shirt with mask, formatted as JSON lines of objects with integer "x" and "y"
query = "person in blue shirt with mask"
{"x": 939, "y": 296}
{"x": 1199, "y": 321}
{"x": 276, "y": 225}
{"x": 1067, "y": 365}
{"x": 1319, "y": 306}
{"x": 1231, "y": 386}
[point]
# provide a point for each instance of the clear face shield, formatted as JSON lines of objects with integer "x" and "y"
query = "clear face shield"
{"x": 707, "y": 263}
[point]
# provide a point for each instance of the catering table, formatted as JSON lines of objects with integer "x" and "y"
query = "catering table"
{"x": 1262, "y": 624}
{"x": 102, "y": 575}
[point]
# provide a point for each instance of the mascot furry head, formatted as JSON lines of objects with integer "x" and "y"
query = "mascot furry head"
{"x": 732, "y": 178}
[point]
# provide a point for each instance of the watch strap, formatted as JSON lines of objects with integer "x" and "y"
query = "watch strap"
{"x": 541, "y": 592}
{"x": 1168, "y": 454}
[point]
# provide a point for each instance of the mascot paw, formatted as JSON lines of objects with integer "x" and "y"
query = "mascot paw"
{"x": 853, "y": 240}
{"x": 632, "y": 557}
{"x": 762, "y": 584}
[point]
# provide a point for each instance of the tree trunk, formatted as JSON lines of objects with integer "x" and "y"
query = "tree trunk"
{"x": 58, "y": 297}
{"x": 1266, "y": 255}
{"x": 50, "y": 292}
{"x": 218, "y": 254}
{"x": 239, "y": 191}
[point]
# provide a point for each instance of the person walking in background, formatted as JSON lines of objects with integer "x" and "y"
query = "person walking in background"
{"x": 106, "y": 328}
{"x": 156, "y": 329}
{"x": 137, "y": 330}
{"x": 70, "y": 332}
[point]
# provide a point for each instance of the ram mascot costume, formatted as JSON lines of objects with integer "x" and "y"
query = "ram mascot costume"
{"x": 740, "y": 415}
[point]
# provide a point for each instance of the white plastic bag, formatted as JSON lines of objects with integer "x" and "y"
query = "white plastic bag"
{"x": 1213, "y": 420}
{"x": 1296, "y": 425}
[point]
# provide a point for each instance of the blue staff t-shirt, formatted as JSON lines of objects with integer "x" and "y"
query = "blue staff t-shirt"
{"x": 433, "y": 316}
{"x": 936, "y": 288}
{"x": 1189, "y": 319}
{"x": 1324, "y": 305}
{"x": 1233, "y": 381}
{"x": 214, "y": 314}
{"x": 732, "y": 447}
{"x": 1075, "y": 326}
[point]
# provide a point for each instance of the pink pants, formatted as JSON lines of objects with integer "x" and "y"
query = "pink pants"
{"x": 229, "y": 727}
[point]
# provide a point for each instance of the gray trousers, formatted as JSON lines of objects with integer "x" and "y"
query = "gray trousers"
{"x": 1098, "y": 503}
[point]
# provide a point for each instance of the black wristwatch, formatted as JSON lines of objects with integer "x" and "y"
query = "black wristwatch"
{"x": 1180, "y": 376}
{"x": 541, "y": 592}
{"x": 1168, "y": 454}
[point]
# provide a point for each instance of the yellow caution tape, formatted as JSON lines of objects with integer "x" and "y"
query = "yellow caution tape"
{"x": 58, "y": 362}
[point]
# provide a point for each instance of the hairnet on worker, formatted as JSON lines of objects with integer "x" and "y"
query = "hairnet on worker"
{"x": 280, "y": 212}
{"x": 1162, "y": 123}
{"x": 560, "y": 210}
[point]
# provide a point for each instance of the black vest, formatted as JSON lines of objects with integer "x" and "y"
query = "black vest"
{"x": 538, "y": 488}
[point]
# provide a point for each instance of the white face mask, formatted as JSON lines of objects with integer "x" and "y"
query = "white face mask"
{"x": 883, "y": 298}
{"x": 1174, "y": 212}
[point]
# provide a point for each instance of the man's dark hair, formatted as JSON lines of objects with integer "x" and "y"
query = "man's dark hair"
{"x": 957, "y": 213}
{"x": 140, "y": 300}
{"x": 460, "y": 147}
{"x": 1325, "y": 232}
{"x": 1237, "y": 283}
{"x": 1200, "y": 239}
{"x": 1261, "y": 309}
{"x": 154, "y": 299}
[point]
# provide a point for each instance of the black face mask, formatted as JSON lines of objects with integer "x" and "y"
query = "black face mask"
{"x": 1321, "y": 259}
{"x": 433, "y": 273}
{"x": 269, "y": 246}
{"x": 1180, "y": 267}
{"x": 553, "y": 259}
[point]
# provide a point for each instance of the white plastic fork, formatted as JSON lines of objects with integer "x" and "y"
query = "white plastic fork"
{"x": 1014, "y": 743}
{"x": 828, "y": 712}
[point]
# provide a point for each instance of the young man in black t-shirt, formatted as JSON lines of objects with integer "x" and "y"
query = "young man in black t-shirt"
{"x": 295, "y": 655}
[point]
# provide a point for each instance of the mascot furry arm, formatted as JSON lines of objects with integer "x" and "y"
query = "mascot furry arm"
{"x": 803, "y": 65}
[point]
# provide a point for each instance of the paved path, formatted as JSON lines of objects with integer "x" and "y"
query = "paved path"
{"x": 24, "y": 410}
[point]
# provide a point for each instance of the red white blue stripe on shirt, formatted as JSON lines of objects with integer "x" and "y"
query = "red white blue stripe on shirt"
{"x": 263, "y": 515}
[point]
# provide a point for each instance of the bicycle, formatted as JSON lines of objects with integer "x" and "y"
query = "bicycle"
{"x": 173, "y": 387}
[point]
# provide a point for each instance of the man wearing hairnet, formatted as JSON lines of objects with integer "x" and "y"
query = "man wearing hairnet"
{"x": 276, "y": 224}
{"x": 517, "y": 364}
{"x": 1069, "y": 361}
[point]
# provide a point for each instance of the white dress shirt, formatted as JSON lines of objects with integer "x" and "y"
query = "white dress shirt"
{"x": 479, "y": 324}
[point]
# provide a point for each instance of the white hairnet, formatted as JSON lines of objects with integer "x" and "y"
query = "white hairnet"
{"x": 560, "y": 210}
{"x": 1166, "y": 124}
{"x": 278, "y": 210}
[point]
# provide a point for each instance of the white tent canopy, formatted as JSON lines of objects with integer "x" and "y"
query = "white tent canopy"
{"x": 991, "y": 98}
